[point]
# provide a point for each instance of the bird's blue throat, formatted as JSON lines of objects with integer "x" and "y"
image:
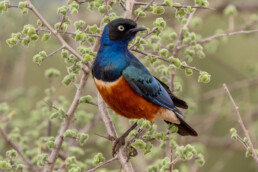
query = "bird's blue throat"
{"x": 112, "y": 58}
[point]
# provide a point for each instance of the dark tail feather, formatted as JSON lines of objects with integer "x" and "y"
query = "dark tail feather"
{"x": 178, "y": 102}
{"x": 184, "y": 129}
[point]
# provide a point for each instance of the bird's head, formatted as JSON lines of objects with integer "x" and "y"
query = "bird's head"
{"x": 120, "y": 30}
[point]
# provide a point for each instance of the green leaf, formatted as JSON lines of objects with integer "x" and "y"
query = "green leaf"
{"x": 42, "y": 159}
{"x": 22, "y": 4}
{"x": 45, "y": 37}
{"x": 68, "y": 79}
{"x": 52, "y": 72}
{"x": 188, "y": 71}
{"x": 163, "y": 52}
{"x": 70, "y": 133}
{"x": 169, "y": 3}
{"x": 4, "y": 164}
{"x": 204, "y": 3}
{"x": 87, "y": 98}
{"x": 98, "y": 159}
{"x": 158, "y": 9}
{"x": 62, "y": 10}
{"x": 204, "y": 77}
{"x": 79, "y": 24}
{"x": 138, "y": 143}
{"x": 230, "y": 10}
{"x": 11, "y": 154}
{"x": 83, "y": 138}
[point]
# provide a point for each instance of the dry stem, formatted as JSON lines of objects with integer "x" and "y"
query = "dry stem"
{"x": 240, "y": 121}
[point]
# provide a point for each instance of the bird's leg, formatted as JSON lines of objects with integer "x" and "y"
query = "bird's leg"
{"x": 121, "y": 140}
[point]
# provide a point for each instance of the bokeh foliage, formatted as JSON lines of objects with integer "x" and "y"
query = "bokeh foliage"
{"x": 26, "y": 86}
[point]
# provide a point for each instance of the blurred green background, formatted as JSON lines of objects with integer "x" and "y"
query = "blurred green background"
{"x": 234, "y": 62}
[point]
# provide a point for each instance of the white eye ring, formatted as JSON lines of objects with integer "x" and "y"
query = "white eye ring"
{"x": 121, "y": 28}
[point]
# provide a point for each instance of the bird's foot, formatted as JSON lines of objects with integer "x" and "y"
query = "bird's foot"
{"x": 121, "y": 140}
{"x": 131, "y": 152}
{"x": 118, "y": 143}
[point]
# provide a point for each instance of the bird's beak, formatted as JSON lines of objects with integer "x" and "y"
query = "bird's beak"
{"x": 137, "y": 29}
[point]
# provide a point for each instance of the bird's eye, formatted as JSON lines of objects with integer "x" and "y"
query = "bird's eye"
{"x": 121, "y": 28}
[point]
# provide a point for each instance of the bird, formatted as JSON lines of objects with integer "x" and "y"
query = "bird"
{"x": 127, "y": 86}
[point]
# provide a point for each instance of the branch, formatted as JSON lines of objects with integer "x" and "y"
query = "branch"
{"x": 62, "y": 22}
{"x": 51, "y": 54}
{"x": 240, "y": 6}
{"x": 8, "y": 117}
{"x": 240, "y": 121}
{"x": 122, "y": 5}
{"x": 18, "y": 150}
{"x": 165, "y": 60}
{"x": 81, "y": 2}
{"x": 129, "y": 9}
{"x": 210, "y": 38}
{"x": 53, "y": 31}
{"x": 180, "y": 37}
{"x": 60, "y": 138}
{"x": 145, "y": 8}
{"x": 175, "y": 6}
{"x": 122, "y": 156}
{"x": 103, "y": 163}
{"x": 153, "y": 30}
{"x": 237, "y": 85}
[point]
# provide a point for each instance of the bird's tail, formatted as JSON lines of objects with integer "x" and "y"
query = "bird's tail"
{"x": 183, "y": 128}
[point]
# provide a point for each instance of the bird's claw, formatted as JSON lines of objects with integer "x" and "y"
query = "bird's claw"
{"x": 118, "y": 143}
{"x": 131, "y": 151}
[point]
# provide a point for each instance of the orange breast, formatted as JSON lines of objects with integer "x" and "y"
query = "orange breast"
{"x": 122, "y": 99}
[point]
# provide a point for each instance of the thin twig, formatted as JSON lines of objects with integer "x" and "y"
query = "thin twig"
{"x": 240, "y": 121}
{"x": 18, "y": 150}
{"x": 8, "y": 117}
{"x": 146, "y": 35}
{"x": 60, "y": 138}
{"x": 236, "y": 85}
{"x": 91, "y": 103}
{"x": 122, "y": 156}
{"x": 81, "y": 2}
{"x": 53, "y": 31}
{"x": 54, "y": 52}
{"x": 242, "y": 141}
{"x": 171, "y": 159}
{"x": 145, "y": 8}
{"x": 62, "y": 22}
{"x": 180, "y": 37}
{"x": 122, "y": 5}
{"x": 176, "y": 160}
{"x": 210, "y": 38}
{"x": 165, "y": 60}
{"x": 90, "y": 125}
{"x": 102, "y": 164}
{"x": 62, "y": 166}
{"x": 175, "y": 6}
